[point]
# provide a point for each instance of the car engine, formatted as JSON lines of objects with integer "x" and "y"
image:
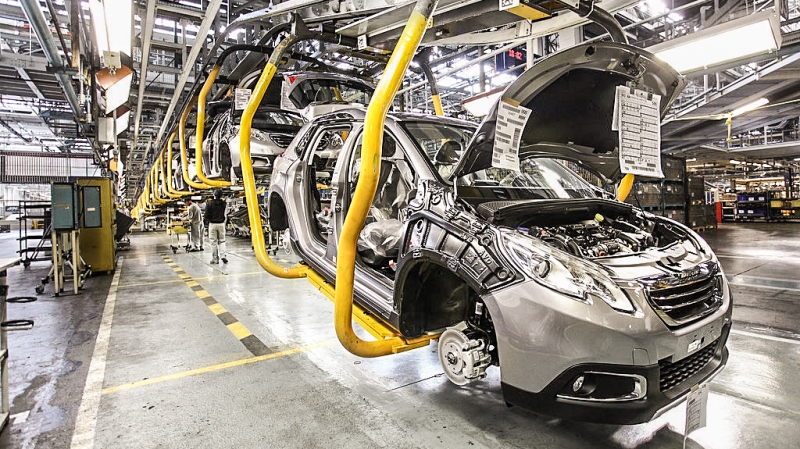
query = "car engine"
{"x": 597, "y": 237}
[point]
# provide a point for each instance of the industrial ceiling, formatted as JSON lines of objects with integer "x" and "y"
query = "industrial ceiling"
{"x": 51, "y": 96}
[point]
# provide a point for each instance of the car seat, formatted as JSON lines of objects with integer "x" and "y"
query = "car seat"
{"x": 446, "y": 158}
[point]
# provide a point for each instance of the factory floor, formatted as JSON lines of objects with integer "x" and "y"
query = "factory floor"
{"x": 173, "y": 352}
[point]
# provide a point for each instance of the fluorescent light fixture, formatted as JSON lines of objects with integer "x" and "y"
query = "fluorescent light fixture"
{"x": 749, "y": 107}
{"x": 737, "y": 39}
{"x": 734, "y": 162}
{"x": 691, "y": 159}
{"x": 118, "y": 93}
{"x": 481, "y": 104}
{"x": 112, "y": 25}
{"x": 123, "y": 121}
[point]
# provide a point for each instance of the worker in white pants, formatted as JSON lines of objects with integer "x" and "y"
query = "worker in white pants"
{"x": 194, "y": 215}
{"x": 216, "y": 216}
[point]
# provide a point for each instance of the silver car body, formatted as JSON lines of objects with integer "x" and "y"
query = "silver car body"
{"x": 593, "y": 309}
{"x": 271, "y": 132}
{"x": 316, "y": 93}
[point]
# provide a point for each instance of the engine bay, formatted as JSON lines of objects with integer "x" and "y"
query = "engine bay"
{"x": 587, "y": 228}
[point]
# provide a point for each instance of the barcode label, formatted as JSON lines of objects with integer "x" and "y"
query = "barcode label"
{"x": 511, "y": 121}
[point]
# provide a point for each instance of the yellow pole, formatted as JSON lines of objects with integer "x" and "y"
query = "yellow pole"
{"x": 367, "y": 182}
{"x": 248, "y": 176}
{"x": 201, "y": 117}
{"x": 625, "y": 186}
{"x": 169, "y": 167}
{"x": 184, "y": 157}
{"x": 164, "y": 179}
{"x": 154, "y": 185}
{"x": 437, "y": 105}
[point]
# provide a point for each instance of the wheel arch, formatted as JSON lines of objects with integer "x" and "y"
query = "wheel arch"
{"x": 429, "y": 296}
{"x": 276, "y": 212}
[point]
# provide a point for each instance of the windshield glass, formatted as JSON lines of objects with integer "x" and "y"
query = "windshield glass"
{"x": 443, "y": 144}
{"x": 329, "y": 91}
{"x": 265, "y": 119}
{"x": 538, "y": 178}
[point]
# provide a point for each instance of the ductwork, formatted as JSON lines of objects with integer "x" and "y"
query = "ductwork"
{"x": 39, "y": 24}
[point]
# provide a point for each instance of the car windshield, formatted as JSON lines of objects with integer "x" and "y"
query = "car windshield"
{"x": 442, "y": 143}
{"x": 329, "y": 91}
{"x": 538, "y": 178}
{"x": 265, "y": 119}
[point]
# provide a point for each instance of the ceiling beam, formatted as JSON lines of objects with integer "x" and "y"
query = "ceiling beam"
{"x": 189, "y": 63}
{"x": 147, "y": 35}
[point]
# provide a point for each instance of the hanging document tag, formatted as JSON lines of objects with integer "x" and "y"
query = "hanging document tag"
{"x": 638, "y": 119}
{"x": 240, "y": 98}
{"x": 285, "y": 102}
{"x": 696, "y": 406}
{"x": 511, "y": 120}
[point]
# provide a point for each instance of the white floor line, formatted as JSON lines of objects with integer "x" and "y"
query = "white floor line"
{"x": 734, "y": 281}
{"x": 86, "y": 422}
{"x": 19, "y": 418}
{"x": 765, "y": 337}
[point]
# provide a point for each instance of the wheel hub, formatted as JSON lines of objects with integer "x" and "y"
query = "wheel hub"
{"x": 464, "y": 358}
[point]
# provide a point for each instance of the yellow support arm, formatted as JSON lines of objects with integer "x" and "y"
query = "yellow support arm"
{"x": 365, "y": 189}
{"x": 248, "y": 176}
{"x": 201, "y": 117}
{"x": 625, "y": 186}
{"x": 165, "y": 181}
{"x": 154, "y": 186}
{"x": 437, "y": 105}
{"x": 162, "y": 175}
{"x": 184, "y": 156}
{"x": 388, "y": 339}
{"x": 169, "y": 168}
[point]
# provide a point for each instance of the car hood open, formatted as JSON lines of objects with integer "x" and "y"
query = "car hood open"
{"x": 571, "y": 95}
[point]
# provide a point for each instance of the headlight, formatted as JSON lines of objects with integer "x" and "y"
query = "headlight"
{"x": 564, "y": 273}
{"x": 259, "y": 135}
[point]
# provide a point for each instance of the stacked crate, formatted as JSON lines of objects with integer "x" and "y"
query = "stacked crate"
{"x": 752, "y": 205}
{"x": 696, "y": 203}
{"x": 666, "y": 197}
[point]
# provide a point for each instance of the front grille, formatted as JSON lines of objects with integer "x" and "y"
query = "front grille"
{"x": 673, "y": 374}
{"x": 281, "y": 140}
{"x": 686, "y": 296}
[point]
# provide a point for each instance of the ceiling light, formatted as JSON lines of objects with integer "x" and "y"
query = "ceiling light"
{"x": 749, "y": 107}
{"x": 111, "y": 25}
{"x": 481, "y": 104}
{"x": 740, "y": 38}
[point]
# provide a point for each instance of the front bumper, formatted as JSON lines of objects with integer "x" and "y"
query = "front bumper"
{"x": 667, "y": 384}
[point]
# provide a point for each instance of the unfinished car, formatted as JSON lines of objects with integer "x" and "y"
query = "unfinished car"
{"x": 592, "y": 309}
{"x": 272, "y": 130}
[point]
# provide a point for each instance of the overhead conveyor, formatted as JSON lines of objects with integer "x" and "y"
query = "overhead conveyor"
{"x": 388, "y": 340}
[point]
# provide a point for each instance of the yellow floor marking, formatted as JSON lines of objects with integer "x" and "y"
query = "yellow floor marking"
{"x": 217, "y": 309}
{"x": 184, "y": 276}
{"x": 209, "y": 369}
{"x": 192, "y": 284}
{"x": 150, "y": 283}
{"x": 229, "y": 275}
{"x": 202, "y": 294}
{"x": 239, "y": 330}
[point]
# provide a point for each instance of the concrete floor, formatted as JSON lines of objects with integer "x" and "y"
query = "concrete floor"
{"x": 181, "y": 370}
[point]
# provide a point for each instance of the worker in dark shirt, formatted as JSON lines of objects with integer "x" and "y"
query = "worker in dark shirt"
{"x": 216, "y": 216}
